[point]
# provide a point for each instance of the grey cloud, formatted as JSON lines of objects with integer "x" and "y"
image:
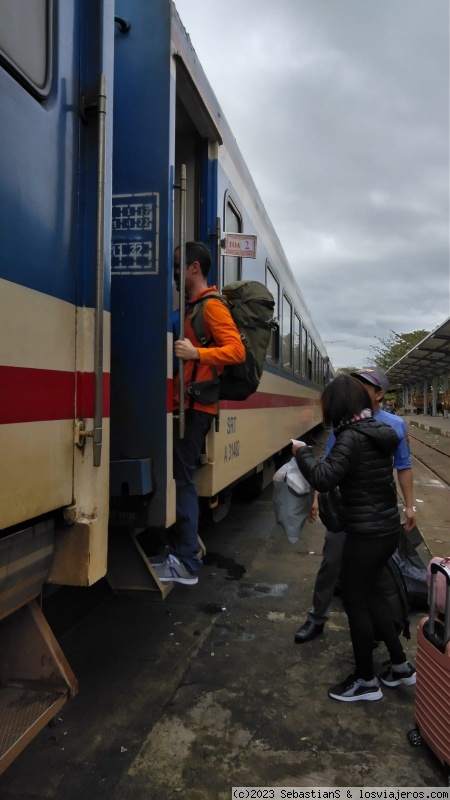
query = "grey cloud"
{"x": 341, "y": 110}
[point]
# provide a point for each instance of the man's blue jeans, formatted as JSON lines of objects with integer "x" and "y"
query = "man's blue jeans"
{"x": 183, "y": 537}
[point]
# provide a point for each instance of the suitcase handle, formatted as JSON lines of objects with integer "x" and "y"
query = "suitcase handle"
{"x": 434, "y": 569}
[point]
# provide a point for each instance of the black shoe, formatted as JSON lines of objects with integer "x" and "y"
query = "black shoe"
{"x": 308, "y": 632}
{"x": 356, "y": 689}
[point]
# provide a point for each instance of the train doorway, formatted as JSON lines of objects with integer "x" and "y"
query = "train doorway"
{"x": 197, "y": 141}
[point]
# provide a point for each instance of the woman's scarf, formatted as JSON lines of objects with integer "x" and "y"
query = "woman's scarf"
{"x": 366, "y": 413}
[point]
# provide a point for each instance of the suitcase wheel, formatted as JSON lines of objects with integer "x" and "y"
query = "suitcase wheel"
{"x": 414, "y": 737}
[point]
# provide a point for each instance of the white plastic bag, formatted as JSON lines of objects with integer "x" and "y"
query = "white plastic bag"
{"x": 291, "y": 509}
{"x": 290, "y": 474}
{"x": 292, "y": 499}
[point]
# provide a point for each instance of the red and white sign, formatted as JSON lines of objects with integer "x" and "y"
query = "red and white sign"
{"x": 238, "y": 244}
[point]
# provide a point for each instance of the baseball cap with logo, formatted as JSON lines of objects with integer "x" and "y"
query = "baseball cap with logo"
{"x": 375, "y": 376}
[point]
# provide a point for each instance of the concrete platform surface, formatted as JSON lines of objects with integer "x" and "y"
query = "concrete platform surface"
{"x": 437, "y": 424}
{"x": 206, "y": 690}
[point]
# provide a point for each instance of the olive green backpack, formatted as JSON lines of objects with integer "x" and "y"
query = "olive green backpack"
{"x": 251, "y": 306}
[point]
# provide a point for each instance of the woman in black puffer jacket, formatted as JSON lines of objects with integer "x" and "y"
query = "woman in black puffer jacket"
{"x": 360, "y": 463}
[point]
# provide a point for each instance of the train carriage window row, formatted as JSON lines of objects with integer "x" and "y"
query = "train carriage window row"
{"x": 304, "y": 352}
{"x": 286, "y": 335}
{"x": 297, "y": 346}
{"x": 26, "y": 50}
{"x": 273, "y": 287}
{"x": 300, "y": 355}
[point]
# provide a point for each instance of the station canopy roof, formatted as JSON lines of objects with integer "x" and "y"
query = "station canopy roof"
{"x": 430, "y": 358}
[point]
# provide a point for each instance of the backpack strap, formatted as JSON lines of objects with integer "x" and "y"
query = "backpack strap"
{"x": 195, "y": 317}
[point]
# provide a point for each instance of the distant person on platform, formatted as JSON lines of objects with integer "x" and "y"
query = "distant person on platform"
{"x": 377, "y": 385}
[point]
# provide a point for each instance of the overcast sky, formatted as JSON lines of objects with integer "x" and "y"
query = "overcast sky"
{"x": 341, "y": 111}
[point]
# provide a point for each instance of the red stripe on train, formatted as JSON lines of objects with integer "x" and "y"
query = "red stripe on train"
{"x": 38, "y": 395}
{"x": 257, "y": 400}
{"x": 268, "y": 400}
{"x": 86, "y": 394}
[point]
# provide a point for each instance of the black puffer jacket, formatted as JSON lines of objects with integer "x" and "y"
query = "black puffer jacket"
{"x": 360, "y": 463}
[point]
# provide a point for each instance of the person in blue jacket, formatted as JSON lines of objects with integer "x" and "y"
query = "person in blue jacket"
{"x": 377, "y": 384}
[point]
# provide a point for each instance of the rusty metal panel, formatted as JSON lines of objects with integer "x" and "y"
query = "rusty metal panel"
{"x": 25, "y": 559}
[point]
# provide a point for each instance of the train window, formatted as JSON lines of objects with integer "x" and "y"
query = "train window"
{"x": 297, "y": 345}
{"x": 309, "y": 370}
{"x": 25, "y": 37}
{"x": 232, "y": 268}
{"x": 304, "y": 352}
{"x": 286, "y": 334}
{"x": 274, "y": 287}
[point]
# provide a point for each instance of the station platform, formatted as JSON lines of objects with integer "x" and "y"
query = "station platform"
{"x": 438, "y": 424}
{"x": 207, "y": 690}
{"x": 430, "y": 491}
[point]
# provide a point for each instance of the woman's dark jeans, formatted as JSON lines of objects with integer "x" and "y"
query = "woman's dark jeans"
{"x": 367, "y": 609}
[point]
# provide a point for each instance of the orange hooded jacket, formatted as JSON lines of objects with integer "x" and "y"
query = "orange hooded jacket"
{"x": 226, "y": 348}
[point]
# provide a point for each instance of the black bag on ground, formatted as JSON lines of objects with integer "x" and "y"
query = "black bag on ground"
{"x": 330, "y": 510}
{"x": 392, "y": 586}
{"x": 414, "y": 536}
{"x": 412, "y": 569}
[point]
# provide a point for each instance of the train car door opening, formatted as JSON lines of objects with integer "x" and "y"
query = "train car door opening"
{"x": 197, "y": 141}
{"x": 196, "y": 146}
{"x": 160, "y": 122}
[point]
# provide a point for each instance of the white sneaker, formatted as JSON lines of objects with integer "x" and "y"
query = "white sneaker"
{"x": 172, "y": 569}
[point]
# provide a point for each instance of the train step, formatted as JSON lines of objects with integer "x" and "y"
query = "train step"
{"x": 24, "y": 712}
{"x": 35, "y": 679}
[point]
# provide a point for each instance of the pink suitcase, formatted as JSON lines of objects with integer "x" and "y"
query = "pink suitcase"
{"x": 432, "y": 703}
{"x": 441, "y": 584}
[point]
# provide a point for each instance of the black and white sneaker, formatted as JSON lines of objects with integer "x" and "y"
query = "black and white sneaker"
{"x": 395, "y": 677}
{"x": 353, "y": 689}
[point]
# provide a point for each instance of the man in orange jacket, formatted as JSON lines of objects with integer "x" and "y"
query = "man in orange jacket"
{"x": 224, "y": 347}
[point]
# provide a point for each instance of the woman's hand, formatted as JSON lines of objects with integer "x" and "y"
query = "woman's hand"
{"x": 410, "y": 519}
{"x": 296, "y": 445}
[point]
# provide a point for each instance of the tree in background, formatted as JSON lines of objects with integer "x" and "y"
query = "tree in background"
{"x": 387, "y": 353}
{"x": 394, "y": 347}
{"x": 346, "y": 370}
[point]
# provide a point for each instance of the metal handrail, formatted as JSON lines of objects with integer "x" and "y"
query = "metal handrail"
{"x": 181, "y": 419}
{"x": 100, "y": 276}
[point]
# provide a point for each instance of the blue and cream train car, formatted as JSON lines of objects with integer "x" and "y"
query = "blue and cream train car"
{"x": 111, "y": 133}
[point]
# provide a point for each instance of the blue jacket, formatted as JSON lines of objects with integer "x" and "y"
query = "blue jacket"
{"x": 402, "y": 455}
